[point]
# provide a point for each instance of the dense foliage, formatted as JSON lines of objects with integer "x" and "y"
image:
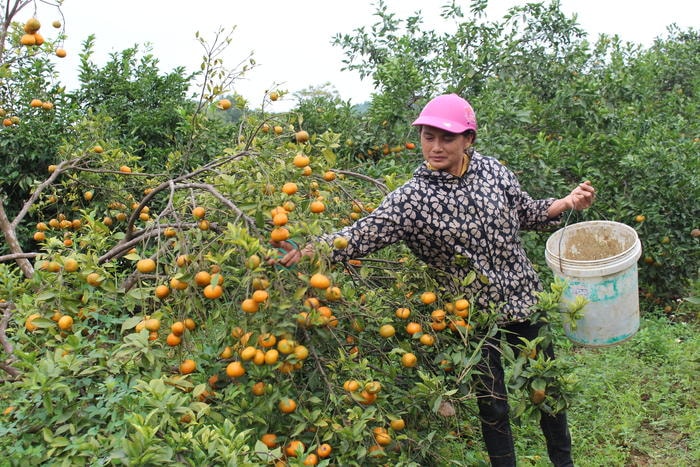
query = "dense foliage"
{"x": 143, "y": 323}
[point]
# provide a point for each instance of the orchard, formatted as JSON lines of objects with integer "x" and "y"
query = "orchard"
{"x": 145, "y": 319}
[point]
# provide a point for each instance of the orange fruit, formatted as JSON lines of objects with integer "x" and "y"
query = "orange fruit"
{"x": 301, "y": 352}
{"x": 329, "y": 176}
{"x": 29, "y": 325}
{"x": 267, "y": 340}
{"x": 27, "y": 39}
{"x": 409, "y": 360}
{"x": 169, "y": 232}
{"x": 39, "y": 236}
{"x": 162, "y": 291}
{"x": 311, "y": 459}
{"x": 274, "y": 95}
{"x": 285, "y": 346}
{"x": 93, "y": 279}
{"x": 333, "y": 293}
{"x": 640, "y": 218}
{"x": 65, "y": 322}
{"x": 173, "y": 340}
{"x": 403, "y": 313}
{"x": 202, "y": 278}
{"x": 302, "y": 136}
{"x": 258, "y": 388}
{"x": 270, "y": 357}
{"x": 410, "y": 145}
{"x": 398, "y": 424}
{"x": 32, "y": 25}
{"x": 235, "y": 369}
{"x": 537, "y": 396}
{"x": 290, "y": 188}
{"x": 324, "y": 450}
{"x": 248, "y": 353}
{"x": 278, "y": 130}
{"x": 279, "y": 234}
{"x": 177, "y": 284}
{"x": 413, "y": 328}
{"x": 224, "y": 104}
{"x": 190, "y": 324}
{"x": 293, "y": 446}
{"x": 280, "y": 219}
{"x": 199, "y": 212}
{"x": 249, "y": 305}
{"x": 70, "y": 265}
{"x": 260, "y": 296}
{"x": 188, "y": 366}
{"x": 317, "y": 207}
{"x": 35, "y": 103}
{"x": 213, "y": 291}
{"x": 428, "y": 297}
{"x": 387, "y": 331}
{"x": 438, "y": 315}
{"x": 61, "y": 53}
{"x": 146, "y": 265}
{"x": 152, "y": 324}
{"x": 319, "y": 281}
{"x": 287, "y": 405}
{"x": 301, "y": 160}
{"x": 427, "y": 339}
{"x": 382, "y": 438}
{"x": 351, "y": 385}
{"x": 269, "y": 440}
{"x": 178, "y": 328}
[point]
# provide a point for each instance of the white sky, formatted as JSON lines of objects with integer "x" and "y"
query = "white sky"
{"x": 291, "y": 40}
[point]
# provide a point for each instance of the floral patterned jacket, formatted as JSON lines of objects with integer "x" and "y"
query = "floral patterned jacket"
{"x": 459, "y": 224}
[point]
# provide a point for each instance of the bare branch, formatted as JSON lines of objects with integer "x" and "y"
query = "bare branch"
{"x": 6, "y": 344}
{"x": 381, "y": 186}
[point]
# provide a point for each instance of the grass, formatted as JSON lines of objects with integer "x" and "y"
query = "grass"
{"x": 637, "y": 406}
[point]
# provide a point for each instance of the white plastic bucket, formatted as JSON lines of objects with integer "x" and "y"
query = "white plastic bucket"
{"x": 598, "y": 260}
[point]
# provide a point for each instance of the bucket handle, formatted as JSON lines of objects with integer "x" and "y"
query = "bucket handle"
{"x": 563, "y": 230}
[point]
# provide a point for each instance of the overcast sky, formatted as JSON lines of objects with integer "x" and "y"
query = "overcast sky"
{"x": 291, "y": 40}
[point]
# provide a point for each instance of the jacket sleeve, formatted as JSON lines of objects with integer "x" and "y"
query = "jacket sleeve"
{"x": 382, "y": 227}
{"x": 532, "y": 213}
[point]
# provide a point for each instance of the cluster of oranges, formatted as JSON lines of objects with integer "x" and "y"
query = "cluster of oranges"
{"x": 32, "y": 37}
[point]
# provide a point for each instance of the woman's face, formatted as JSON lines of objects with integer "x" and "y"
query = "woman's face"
{"x": 444, "y": 150}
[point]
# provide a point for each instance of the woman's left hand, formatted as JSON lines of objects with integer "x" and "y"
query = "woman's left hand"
{"x": 582, "y": 196}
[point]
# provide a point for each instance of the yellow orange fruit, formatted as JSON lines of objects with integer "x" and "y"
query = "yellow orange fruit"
{"x": 146, "y": 265}
{"x": 29, "y": 325}
{"x": 302, "y": 136}
{"x": 409, "y": 360}
{"x": 387, "y": 331}
{"x": 428, "y": 297}
{"x": 301, "y": 160}
{"x": 61, "y": 52}
{"x": 319, "y": 281}
{"x": 213, "y": 291}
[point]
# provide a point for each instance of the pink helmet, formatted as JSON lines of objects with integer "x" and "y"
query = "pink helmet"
{"x": 448, "y": 112}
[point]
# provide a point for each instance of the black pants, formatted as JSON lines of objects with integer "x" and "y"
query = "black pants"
{"x": 493, "y": 405}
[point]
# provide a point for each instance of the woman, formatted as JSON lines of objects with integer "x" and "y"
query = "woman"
{"x": 462, "y": 212}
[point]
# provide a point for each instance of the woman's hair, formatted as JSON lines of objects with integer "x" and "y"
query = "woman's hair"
{"x": 465, "y": 133}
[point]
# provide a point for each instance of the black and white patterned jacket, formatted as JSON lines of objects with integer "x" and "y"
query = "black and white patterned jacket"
{"x": 458, "y": 224}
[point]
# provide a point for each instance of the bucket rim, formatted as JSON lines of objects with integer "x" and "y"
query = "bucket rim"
{"x": 589, "y": 262}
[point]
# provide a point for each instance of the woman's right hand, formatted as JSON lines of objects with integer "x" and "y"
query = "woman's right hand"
{"x": 293, "y": 254}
